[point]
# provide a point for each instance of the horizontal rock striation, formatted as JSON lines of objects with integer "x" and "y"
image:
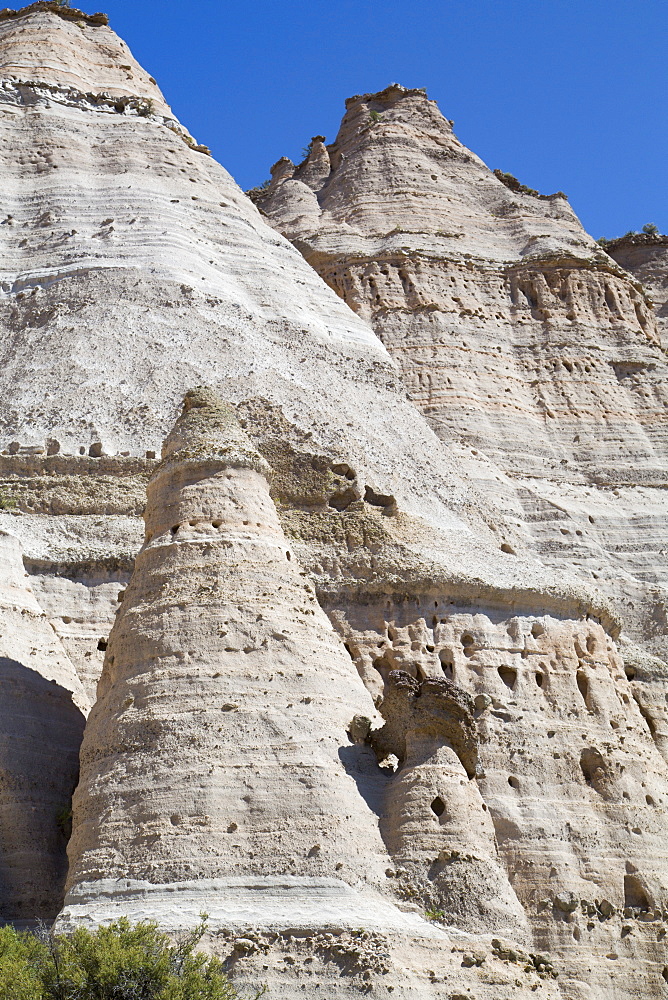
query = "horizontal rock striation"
{"x": 222, "y": 659}
{"x": 376, "y": 710}
{"x": 532, "y": 353}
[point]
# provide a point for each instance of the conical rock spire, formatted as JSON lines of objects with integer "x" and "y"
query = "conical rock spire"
{"x": 216, "y": 746}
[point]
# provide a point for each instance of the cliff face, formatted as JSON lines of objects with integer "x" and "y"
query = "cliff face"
{"x": 419, "y": 753}
{"x": 42, "y": 714}
{"x": 533, "y": 355}
{"x": 645, "y": 256}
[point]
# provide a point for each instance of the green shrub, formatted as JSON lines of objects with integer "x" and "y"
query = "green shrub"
{"x": 650, "y": 229}
{"x": 119, "y": 962}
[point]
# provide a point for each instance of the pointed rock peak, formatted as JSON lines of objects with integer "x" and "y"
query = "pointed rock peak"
{"x": 64, "y": 49}
{"x": 208, "y": 430}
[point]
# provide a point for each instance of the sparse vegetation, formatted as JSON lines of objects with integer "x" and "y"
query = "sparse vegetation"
{"x": 435, "y": 915}
{"x": 257, "y": 193}
{"x": 512, "y": 182}
{"x": 7, "y": 501}
{"x": 375, "y": 116}
{"x": 146, "y": 107}
{"x": 119, "y": 962}
{"x": 649, "y": 229}
{"x": 64, "y": 821}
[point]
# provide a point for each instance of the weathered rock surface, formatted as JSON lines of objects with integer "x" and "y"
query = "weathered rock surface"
{"x": 42, "y": 714}
{"x": 220, "y": 659}
{"x": 537, "y": 362}
{"x": 532, "y": 354}
{"x": 226, "y": 683}
{"x": 645, "y": 256}
{"x": 483, "y": 753}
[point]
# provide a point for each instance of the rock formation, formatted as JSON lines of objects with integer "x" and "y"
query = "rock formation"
{"x": 42, "y": 714}
{"x": 645, "y": 256}
{"x": 531, "y": 352}
{"x": 427, "y": 753}
{"x": 226, "y": 683}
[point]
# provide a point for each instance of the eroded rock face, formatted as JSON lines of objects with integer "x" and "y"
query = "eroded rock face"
{"x": 571, "y": 779}
{"x": 42, "y": 714}
{"x": 532, "y": 354}
{"x": 225, "y": 681}
{"x": 439, "y": 794}
{"x": 645, "y": 256}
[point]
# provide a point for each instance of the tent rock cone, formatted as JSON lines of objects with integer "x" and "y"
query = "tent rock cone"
{"x": 213, "y": 748}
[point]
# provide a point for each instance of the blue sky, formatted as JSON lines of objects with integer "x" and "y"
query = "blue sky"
{"x": 566, "y": 94}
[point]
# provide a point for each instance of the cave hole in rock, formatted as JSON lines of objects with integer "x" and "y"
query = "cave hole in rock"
{"x": 583, "y": 685}
{"x": 539, "y": 679}
{"x": 591, "y": 644}
{"x": 508, "y": 549}
{"x": 342, "y": 499}
{"x": 102, "y": 645}
{"x": 383, "y": 665}
{"x": 447, "y": 666}
{"x": 509, "y": 676}
{"x": 288, "y": 556}
{"x": 174, "y": 529}
{"x": 378, "y": 499}
{"x": 513, "y": 782}
{"x": 438, "y": 806}
{"x": 634, "y": 893}
{"x": 468, "y": 645}
{"x": 537, "y": 630}
{"x": 649, "y": 800}
{"x": 630, "y": 672}
{"x": 216, "y": 524}
{"x": 592, "y": 766}
{"x": 665, "y": 973}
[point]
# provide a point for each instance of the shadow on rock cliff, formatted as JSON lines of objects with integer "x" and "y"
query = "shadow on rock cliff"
{"x": 40, "y": 733}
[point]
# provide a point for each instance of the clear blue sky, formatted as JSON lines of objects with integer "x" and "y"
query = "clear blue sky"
{"x": 567, "y": 95}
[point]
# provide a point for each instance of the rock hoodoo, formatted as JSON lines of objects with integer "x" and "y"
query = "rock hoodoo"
{"x": 532, "y": 353}
{"x": 226, "y": 684}
{"x": 382, "y": 688}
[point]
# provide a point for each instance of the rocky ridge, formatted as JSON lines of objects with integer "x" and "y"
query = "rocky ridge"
{"x": 496, "y": 800}
{"x": 535, "y": 357}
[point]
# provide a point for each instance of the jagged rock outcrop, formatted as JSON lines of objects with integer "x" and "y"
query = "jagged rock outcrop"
{"x": 42, "y": 714}
{"x": 645, "y": 256}
{"x": 531, "y": 352}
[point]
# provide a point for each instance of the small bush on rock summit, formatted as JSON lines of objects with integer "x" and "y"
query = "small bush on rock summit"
{"x": 119, "y": 962}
